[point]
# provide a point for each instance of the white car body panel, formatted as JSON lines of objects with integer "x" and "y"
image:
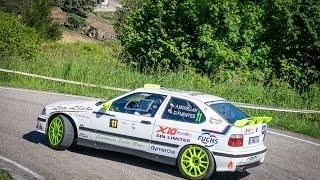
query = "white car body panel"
{"x": 158, "y": 136}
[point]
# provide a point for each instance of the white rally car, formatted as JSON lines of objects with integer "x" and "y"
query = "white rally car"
{"x": 199, "y": 133}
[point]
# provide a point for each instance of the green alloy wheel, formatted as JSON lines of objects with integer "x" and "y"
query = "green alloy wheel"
{"x": 60, "y": 133}
{"x": 55, "y": 132}
{"x": 196, "y": 162}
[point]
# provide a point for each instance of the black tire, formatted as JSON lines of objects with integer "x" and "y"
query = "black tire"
{"x": 67, "y": 134}
{"x": 206, "y": 174}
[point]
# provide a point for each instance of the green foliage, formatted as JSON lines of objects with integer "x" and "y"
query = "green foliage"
{"x": 293, "y": 35}
{"x": 4, "y": 175}
{"x": 75, "y": 21}
{"x": 38, "y": 15}
{"x": 105, "y": 16}
{"x": 98, "y": 64}
{"x": 59, "y": 3}
{"x": 278, "y": 38}
{"x": 81, "y": 5}
{"x": 35, "y": 14}
{"x": 16, "y": 6}
{"x": 16, "y": 38}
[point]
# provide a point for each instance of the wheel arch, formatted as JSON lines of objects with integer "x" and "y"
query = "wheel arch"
{"x": 68, "y": 117}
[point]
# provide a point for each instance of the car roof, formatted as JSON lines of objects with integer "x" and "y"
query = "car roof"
{"x": 203, "y": 97}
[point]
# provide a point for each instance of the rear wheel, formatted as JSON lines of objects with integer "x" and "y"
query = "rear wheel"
{"x": 196, "y": 162}
{"x": 60, "y": 133}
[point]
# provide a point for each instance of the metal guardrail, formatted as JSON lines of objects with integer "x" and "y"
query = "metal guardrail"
{"x": 243, "y": 105}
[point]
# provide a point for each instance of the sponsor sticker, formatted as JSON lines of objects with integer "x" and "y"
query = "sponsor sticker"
{"x": 80, "y": 108}
{"x": 81, "y": 116}
{"x": 59, "y": 108}
{"x": 161, "y": 149}
{"x": 83, "y": 135}
{"x": 173, "y": 134}
{"x": 121, "y": 141}
{"x": 212, "y": 120}
{"x": 105, "y": 138}
{"x": 167, "y": 130}
{"x": 198, "y": 117}
{"x": 252, "y": 158}
{"x": 74, "y": 108}
{"x": 39, "y": 126}
{"x": 185, "y": 111}
{"x": 250, "y": 130}
{"x": 230, "y": 164}
{"x": 208, "y": 139}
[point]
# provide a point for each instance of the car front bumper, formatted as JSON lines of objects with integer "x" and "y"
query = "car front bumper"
{"x": 41, "y": 124}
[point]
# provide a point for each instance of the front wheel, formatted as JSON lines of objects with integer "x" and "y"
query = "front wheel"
{"x": 196, "y": 162}
{"x": 60, "y": 133}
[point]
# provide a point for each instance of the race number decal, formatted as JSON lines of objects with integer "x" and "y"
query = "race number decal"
{"x": 113, "y": 123}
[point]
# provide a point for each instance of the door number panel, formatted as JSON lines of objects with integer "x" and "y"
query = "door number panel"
{"x": 113, "y": 123}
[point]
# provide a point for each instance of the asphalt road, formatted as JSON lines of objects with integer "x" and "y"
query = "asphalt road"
{"x": 286, "y": 158}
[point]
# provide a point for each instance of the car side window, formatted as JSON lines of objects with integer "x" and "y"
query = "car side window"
{"x": 183, "y": 110}
{"x": 143, "y": 104}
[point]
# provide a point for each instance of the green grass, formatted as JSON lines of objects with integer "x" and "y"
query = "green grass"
{"x": 107, "y": 17}
{"x": 98, "y": 64}
{"x": 4, "y": 175}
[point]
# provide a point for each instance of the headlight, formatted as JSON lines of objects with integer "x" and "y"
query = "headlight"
{"x": 43, "y": 111}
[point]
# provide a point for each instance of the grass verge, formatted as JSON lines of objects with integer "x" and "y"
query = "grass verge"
{"x": 4, "y": 175}
{"x": 97, "y": 63}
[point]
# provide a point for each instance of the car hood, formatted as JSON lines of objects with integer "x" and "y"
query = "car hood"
{"x": 72, "y": 106}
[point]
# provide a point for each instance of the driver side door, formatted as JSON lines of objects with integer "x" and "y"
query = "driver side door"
{"x": 129, "y": 122}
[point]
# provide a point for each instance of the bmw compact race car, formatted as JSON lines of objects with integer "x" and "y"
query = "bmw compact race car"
{"x": 199, "y": 133}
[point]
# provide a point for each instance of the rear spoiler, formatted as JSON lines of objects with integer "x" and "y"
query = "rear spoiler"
{"x": 252, "y": 121}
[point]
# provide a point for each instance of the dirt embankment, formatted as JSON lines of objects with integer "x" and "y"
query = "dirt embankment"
{"x": 72, "y": 36}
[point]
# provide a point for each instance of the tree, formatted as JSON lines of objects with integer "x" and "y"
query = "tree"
{"x": 16, "y": 38}
{"x": 35, "y": 14}
{"x": 81, "y": 5}
{"x": 293, "y": 35}
{"x": 278, "y": 38}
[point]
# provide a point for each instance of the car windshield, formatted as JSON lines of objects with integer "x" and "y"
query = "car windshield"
{"x": 228, "y": 111}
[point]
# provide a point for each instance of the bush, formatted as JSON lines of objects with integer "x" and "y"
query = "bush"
{"x": 81, "y": 5}
{"x": 16, "y": 38}
{"x": 280, "y": 39}
{"x": 35, "y": 14}
{"x": 76, "y": 22}
{"x": 16, "y": 6}
{"x": 53, "y": 31}
{"x": 38, "y": 15}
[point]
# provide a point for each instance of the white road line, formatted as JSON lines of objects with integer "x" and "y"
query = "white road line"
{"x": 29, "y": 171}
{"x": 291, "y": 137}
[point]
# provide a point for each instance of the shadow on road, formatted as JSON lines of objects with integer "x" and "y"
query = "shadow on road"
{"x": 126, "y": 159}
{"x": 36, "y": 137}
{"x": 230, "y": 175}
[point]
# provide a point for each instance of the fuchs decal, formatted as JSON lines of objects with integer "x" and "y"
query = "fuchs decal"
{"x": 208, "y": 139}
